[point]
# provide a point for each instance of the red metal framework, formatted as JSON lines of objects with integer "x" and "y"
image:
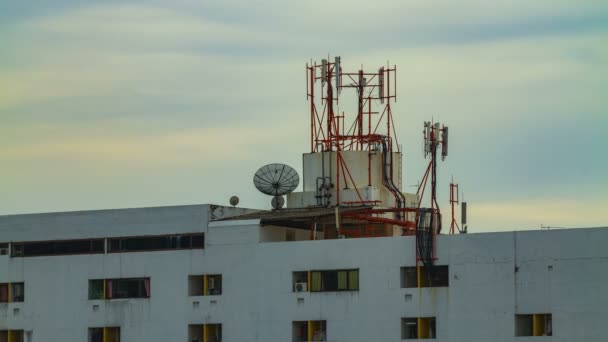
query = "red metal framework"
{"x": 372, "y": 125}
{"x": 454, "y": 199}
{"x": 368, "y": 126}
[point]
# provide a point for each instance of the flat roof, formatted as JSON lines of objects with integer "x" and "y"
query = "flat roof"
{"x": 296, "y": 217}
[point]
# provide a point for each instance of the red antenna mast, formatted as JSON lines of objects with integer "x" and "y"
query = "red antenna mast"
{"x": 428, "y": 220}
{"x": 331, "y": 130}
{"x": 454, "y": 199}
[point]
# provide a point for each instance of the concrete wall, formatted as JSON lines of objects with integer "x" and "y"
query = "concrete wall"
{"x": 358, "y": 163}
{"x": 493, "y": 276}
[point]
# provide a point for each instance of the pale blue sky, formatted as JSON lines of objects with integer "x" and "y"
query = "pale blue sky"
{"x": 110, "y": 104}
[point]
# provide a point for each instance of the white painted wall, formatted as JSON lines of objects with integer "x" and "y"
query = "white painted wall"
{"x": 257, "y": 304}
{"x": 358, "y": 163}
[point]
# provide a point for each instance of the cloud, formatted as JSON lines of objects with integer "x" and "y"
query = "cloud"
{"x": 101, "y": 145}
{"x": 130, "y": 94}
{"x": 532, "y": 213}
{"x": 142, "y": 25}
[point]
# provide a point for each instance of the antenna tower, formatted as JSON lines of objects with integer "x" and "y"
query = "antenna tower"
{"x": 435, "y": 137}
{"x": 364, "y": 130}
{"x": 428, "y": 220}
{"x": 454, "y": 199}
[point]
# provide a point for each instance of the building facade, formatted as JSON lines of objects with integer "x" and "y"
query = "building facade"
{"x": 187, "y": 273}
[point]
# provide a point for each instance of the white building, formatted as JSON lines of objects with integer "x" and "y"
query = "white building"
{"x": 186, "y": 273}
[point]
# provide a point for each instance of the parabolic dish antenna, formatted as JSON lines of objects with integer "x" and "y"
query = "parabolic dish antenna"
{"x": 276, "y": 179}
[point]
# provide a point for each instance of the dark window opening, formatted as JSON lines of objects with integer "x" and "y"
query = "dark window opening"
{"x": 4, "y": 293}
{"x": 16, "y": 249}
{"x": 409, "y": 328}
{"x": 418, "y": 328}
{"x": 196, "y": 333}
{"x": 304, "y": 331}
{"x": 534, "y": 325}
{"x": 205, "y": 333}
{"x": 17, "y": 292}
{"x": 96, "y": 335}
{"x": 47, "y": 248}
{"x": 11, "y": 335}
{"x": 409, "y": 277}
{"x": 96, "y": 289}
{"x": 213, "y": 332}
{"x": 214, "y": 285}
{"x": 335, "y": 280}
{"x": 435, "y": 276}
{"x": 127, "y": 288}
{"x": 156, "y": 243}
{"x": 12, "y": 293}
{"x": 198, "y": 241}
{"x": 205, "y": 285}
{"x": 196, "y": 285}
{"x": 107, "y": 334}
{"x": 3, "y": 248}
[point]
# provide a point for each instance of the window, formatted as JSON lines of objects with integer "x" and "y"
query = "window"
{"x": 205, "y": 333}
{"x": 96, "y": 290}
{"x": 335, "y": 280}
{"x": 11, "y": 336}
{"x": 3, "y": 248}
{"x": 214, "y": 285}
{"x": 533, "y": 325}
{"x": 4, "y": 293}
{"x": 205, "y": 285}
{"x": 196, "y": 285}
{"x": 409, "y": 277}
{"x": 304, "y": 331}
{"x": 418, "y": 328}
{"x": 122, "y": 288}
{"x": 213, "y": 332}
{"x": 196, "y": 332}
{"x": 435, "y": 276}
{"x": 65, "y": 247}
{"x": 12, "y": 292}
{"x": 98, "y": 246}
{"x": 96, "y": 335}
{"x": 156, "y": 243}
{"x": 16, "y": 249}
{"x": 17, "y": 292}
{"x": 105, "y": 334}
{"x": 198, "y": 241}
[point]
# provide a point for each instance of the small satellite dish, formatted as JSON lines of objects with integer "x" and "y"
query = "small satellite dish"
{"x": 276, "y": 179}
{"x": 234, "y": 200}
{"x": 277, "y": 202}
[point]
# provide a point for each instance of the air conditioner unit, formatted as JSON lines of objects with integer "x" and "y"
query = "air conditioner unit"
{"x": 301, "y": 287}
{"x": 211, "y": 283}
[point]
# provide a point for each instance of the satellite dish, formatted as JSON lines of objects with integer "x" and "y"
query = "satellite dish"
{"x": 277, "y": 202}
{"x": 234, "y": 200}
{"x": 276, "y": 179}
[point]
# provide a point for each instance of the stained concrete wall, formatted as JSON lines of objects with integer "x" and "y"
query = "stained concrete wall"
{"x": 493, "y": 276}
{"x": 364, "y": 169}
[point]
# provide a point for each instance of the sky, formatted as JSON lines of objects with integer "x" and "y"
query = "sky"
{"x": 115, "y": 104}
